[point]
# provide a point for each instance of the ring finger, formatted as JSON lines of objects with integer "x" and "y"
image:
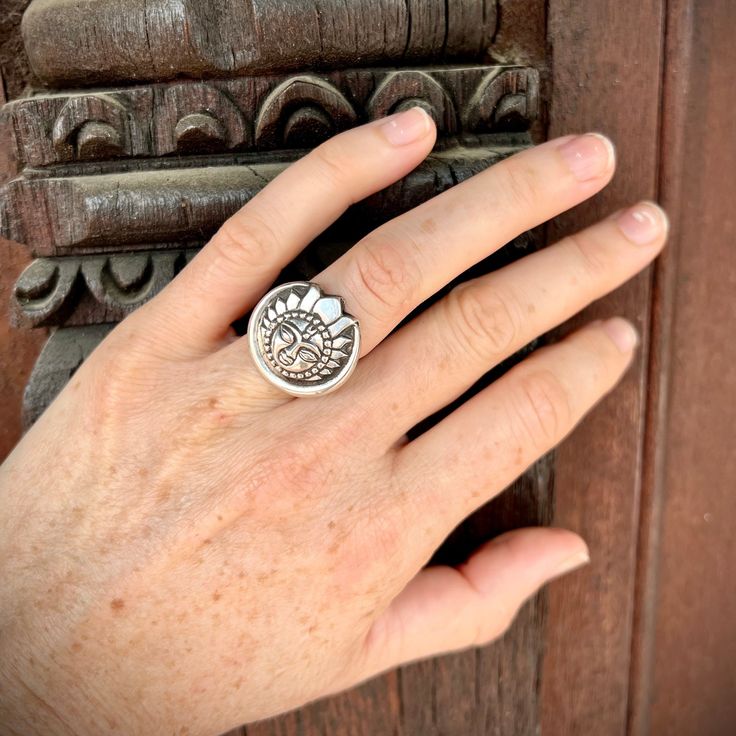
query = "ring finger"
{"x": 484, "y": 321}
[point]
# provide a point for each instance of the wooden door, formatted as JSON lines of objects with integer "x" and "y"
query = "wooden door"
{"x": 641, "y": 642}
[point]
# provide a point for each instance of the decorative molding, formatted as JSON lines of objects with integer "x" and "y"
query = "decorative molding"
{"x": 100, "y": 41}
{"x": 91, "y": 289}
{"x": 262, "y": 113}
{"x": 60, "y": 215}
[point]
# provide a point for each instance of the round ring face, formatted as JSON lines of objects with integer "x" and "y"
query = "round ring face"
{"x": 301, "y": 339}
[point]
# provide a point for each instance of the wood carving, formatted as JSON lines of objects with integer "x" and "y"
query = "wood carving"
{"x": 135, "y": 209}
{"x": 100, "y": 41}
{"x": 92, "y": 289}
{"x": 257, "y": 113}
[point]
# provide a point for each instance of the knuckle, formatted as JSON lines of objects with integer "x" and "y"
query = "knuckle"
{"x": 386, "y": 280}
{"x": 520, "y": 183}
{"x": 543, "y": 409}
{"x": 245, "y": 241}
{"x": 589, "y": 258}
{"x": 484, "y": 320}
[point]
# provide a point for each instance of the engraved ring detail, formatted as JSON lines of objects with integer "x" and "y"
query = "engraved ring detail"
{"x": 302, "y": 341}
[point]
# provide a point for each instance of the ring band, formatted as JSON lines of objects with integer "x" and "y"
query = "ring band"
{"x": 302, "y": 341}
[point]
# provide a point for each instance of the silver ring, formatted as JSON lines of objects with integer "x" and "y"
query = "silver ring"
{"x": 302, "y": 341}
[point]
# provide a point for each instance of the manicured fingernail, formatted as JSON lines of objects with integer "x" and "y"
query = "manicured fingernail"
{"x": 622, "y": 333}
{"x": 407, "y": 127}
{"x": 578, "y": 560}
{"x": 589, "y": 156}
{"x": 643, "y": 224}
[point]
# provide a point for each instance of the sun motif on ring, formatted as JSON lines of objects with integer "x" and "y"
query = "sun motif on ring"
{"x": 303, "y": 338}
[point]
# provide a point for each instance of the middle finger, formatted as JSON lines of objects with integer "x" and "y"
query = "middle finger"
{"x": 401, "y": 264}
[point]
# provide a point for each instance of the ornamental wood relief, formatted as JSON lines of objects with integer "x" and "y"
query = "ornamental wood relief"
{"x": 155, "y": 120}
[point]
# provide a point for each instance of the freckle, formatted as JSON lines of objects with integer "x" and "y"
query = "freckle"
{"x": 117, "y": 604}
{"x": 143, "y": 472}
{"x": 241, "y": 574}
{"x": 331, "y": 525}
{"x": 216, "y": 596}
{"x": 76, "y": 646}
{"x": 261, "y": 578}
{"x": 219, "y": 517}
{"x": 207, "y": 541}
{"x": 429, "y": 226}
{"x": 312, "y": 628}
{"x": 531, "y": 309}
{"x": 238, "y": 684}
{"x": 164, "y": 493}
{"x": 395, "y": 406}
{"x": 112, "y": 470}
{"x": 212, "y": 403}
{"x": 333, "y": 548}
{"x": 188, "y": 650}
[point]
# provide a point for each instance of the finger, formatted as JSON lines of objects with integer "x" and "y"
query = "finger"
{"x": 484, "y": 321}
{"x": 395, "y": 268}
{"x": 444, "y": 609}
{"x": 490, "y": 440}
{"x": 245, "y": 256}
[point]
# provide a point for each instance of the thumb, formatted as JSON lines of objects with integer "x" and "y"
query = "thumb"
{"x": 449, "y": 608}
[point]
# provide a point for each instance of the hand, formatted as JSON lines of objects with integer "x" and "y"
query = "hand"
{"x": 182, "y": 546}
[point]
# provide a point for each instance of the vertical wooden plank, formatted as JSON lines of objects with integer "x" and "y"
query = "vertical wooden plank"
{"x": 606, "y": 57}
{"x": 685, "y": 679}
{"x": 673, "y": 172}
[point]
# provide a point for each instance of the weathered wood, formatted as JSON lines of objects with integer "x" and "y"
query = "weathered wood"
{"x": 91, "y": 289}
{"x": 262, "y": 113}
{"x": 683, "y": 678}
{"x": 598, "y": 473}
{"x": 180, "y": 205}
{"x": 94, "y": 41}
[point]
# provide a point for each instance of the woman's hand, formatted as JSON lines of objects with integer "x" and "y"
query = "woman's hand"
{"x": 182, "y": 546}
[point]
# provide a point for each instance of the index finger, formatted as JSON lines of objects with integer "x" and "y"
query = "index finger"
{"x": 245, "y": 256}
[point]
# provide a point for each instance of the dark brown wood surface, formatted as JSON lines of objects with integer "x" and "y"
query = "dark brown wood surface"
{"x": 607, "y": 61}
{"x": 684, "y": 681}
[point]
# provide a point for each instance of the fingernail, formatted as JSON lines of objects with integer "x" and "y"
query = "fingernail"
{"x": 589, "y": 156}
{"x": 622, "y": 333}
{"x": 643, "y": 223}
{"x": 407, "y": 127}
{"x": 578, "y": 560}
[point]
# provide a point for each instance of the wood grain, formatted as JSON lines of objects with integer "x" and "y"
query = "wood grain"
{"x": 598, "y": 474}
{"x": 261, "y": 112}
{"x": 57, "y": 215}
{"x": 95, "y": 41}
{"x": 683, "y": 680}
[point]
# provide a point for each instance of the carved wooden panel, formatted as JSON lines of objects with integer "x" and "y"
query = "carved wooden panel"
{"x": 172, "y": 205}
{"x": 92, "y": 41}
{"x": 262, "y": 113}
